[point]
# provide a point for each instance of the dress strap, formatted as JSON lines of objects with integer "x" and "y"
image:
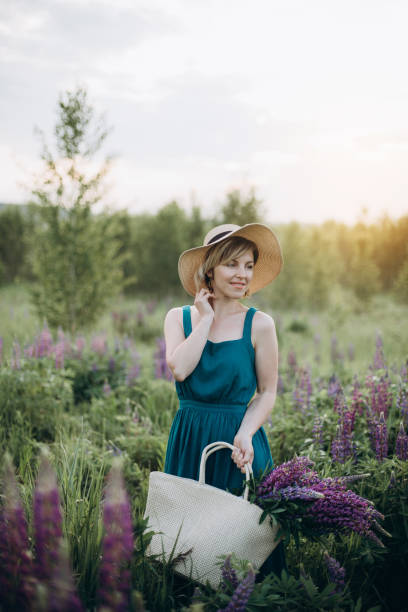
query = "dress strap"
{"x": 248, "y": 323}
{"x": 187, "y": 321}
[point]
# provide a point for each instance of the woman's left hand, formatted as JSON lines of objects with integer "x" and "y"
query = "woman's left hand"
{"x": 244, "y": 452}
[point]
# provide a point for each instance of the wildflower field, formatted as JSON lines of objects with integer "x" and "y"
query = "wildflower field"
{"x": 84, "y": 419}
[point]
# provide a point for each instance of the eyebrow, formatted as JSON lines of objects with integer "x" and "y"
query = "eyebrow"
{"x": 248, "y": 261}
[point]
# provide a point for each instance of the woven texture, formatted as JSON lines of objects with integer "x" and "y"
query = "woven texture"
{"x": 206, "y": 521}
{"x": 266, "y": 269}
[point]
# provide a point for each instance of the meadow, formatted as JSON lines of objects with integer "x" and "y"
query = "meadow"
{"x": 85, "y": 419}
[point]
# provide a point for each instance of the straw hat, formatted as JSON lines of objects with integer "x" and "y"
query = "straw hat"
{"x": 267, "y": 267}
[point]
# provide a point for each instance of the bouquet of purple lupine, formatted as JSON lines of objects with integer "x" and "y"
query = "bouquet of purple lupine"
{"x": 303, "y": 503}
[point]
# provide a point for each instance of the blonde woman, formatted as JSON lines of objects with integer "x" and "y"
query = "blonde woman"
{"x": 224, "y": 358}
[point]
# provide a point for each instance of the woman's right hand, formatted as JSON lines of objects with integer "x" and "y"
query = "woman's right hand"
{"x": 201, "y": 302}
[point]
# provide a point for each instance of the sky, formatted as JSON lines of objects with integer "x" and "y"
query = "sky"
{"x": 303, "y": 101}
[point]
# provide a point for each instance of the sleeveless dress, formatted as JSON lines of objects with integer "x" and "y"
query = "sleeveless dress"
{"x": 212, "y": 403}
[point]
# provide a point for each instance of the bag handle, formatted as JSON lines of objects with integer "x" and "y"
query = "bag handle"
{"x": 212, "y": 448}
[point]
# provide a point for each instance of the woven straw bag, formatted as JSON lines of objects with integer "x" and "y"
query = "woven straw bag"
{"x": 189, "y": 515}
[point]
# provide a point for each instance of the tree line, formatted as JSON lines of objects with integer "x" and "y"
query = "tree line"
{"x": 76, "y": 261}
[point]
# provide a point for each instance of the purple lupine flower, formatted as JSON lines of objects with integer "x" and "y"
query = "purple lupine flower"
{"x": 111, "y": 364}
{"x": 401, "y": 444}
{"x": 44, "y": 343}
{"x": 241, "y": 594}
{"x": 337, "y": 573}
{"x": 404, "y": 373}
{"x": 16, "y": 580}
{"x": 378, "y": 362}
{"x": 47, "y": 520}
{"x": 341, "y": 510}
{"x": 318, "y": 431}
{"x": 380, "y": 394}
{"x": 161, "y": 369}
{"x": 334, "y": 386}
{"x": 62, "y": 596}
{"x": 281, "y": 385}
{"x": 342, "y": 446}
{"x": 98, "y": 344}
{"x": 303, "y": 390}
{"x": 357, "y": 399}
{"x": 15, "y": 360}
{"x": 117, "y": 544}
{"x": 229, "y": 575}
{"x": 381, "y": 439}
{"x": 291, "y": 493}
{"x": 284, "y": 475}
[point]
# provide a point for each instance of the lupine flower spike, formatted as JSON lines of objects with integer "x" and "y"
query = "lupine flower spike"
{"x": 16, "y": 583}
{"x": 47, "y": 520}
{"x": 241, "y": 594}
{"x": 337, "y": 573}
{"x": 117, "y": 545}
{"x": 401, "y": 444}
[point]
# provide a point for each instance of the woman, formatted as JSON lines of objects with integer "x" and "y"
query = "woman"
{"x": 220, "y": 354}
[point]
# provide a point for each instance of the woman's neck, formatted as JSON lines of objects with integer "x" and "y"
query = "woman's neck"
{"x": 224, "y": 307}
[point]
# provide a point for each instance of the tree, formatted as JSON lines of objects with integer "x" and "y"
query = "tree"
{"x": 239, "y": 209}
{"x": 13, "y": 244}
{"x": 76, "y": 263}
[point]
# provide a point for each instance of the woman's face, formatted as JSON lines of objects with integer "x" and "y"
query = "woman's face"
{"x": 233, "y": 277}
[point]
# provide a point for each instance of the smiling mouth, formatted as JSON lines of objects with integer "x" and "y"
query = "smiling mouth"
{"x": 237, "y": 285}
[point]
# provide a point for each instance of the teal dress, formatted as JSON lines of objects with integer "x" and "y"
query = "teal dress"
{"x": 212, "y": 403}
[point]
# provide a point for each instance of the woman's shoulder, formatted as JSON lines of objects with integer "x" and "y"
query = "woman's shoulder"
{"x": 262, "y": 322}
{"x": 175, "y": 314}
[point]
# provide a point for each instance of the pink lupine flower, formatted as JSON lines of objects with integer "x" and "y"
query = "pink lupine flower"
{"x": 117, "y": 545}
{"x": 44, "y": 343}
{"x": 59, "y": 355}
{"x": 98, "y": 345}
{"x": 16, "y": 580}
{"x": 80, "y": 345}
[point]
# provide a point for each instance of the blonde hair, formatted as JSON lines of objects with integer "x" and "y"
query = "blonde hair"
{"x": 221, "y": 253}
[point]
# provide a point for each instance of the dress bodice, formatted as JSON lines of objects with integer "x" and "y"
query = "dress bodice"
{"x": 226, "y": 372}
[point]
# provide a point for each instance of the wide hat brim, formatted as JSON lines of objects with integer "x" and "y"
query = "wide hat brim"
{"x": 266, "y": 269}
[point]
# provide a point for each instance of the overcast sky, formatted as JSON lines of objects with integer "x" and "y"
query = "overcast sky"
{"x": 305, "y": 100}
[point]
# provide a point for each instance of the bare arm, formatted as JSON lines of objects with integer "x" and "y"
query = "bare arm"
{"x": 258, "y": 411}
{"x": 183, "y": 354}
